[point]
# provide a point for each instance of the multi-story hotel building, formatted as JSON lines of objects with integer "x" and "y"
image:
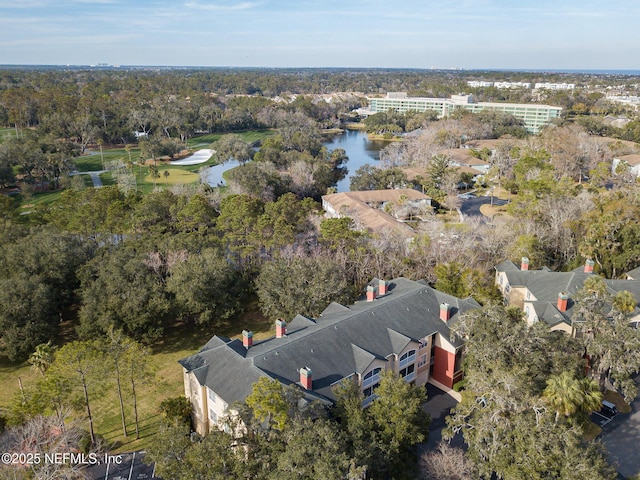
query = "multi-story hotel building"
{"x": 535, "y": 116}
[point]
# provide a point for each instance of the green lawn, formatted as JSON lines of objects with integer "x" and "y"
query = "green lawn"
{"x": 249, "y": 136}
{"x": 7, "y": 133}
{"x": 94, "y": 160}
{"x": 27, "y": 204}
{"x": 177, "y": 342}
{"x": 89, "y": 163}
{"x": 177, "y": 176}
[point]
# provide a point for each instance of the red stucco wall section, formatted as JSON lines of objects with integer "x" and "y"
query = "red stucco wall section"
{"x": 443, "y": 365}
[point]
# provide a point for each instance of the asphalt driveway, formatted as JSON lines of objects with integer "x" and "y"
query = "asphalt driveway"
{"x": 470, "y": 207}
{"x": 622, "y": 437}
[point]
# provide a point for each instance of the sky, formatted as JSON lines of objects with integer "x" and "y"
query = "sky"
{"x": 469, "y": 34}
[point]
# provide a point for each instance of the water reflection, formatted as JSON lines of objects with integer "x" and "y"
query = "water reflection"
{"x": 360, "y": 150}
{"x": 213, "y": 175}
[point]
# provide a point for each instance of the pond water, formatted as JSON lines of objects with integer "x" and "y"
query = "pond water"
{"x": 360, "y": 150}
{"x": 213, "y": 175}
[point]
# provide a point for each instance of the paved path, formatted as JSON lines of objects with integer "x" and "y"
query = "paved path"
{"x": 95, "y": 176}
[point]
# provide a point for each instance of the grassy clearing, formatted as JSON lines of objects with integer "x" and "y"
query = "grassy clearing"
{"x": 40, "y": 198}
{"x": 7, "y": 133}
{"x": 177, "y": 176}
{"x": 89, "y": 163}
{"x": 94, "y": 160}
{"x": 590, "y": 431}
{"x": 249, "y": 136}
{"x": 618, "y": 400}
{"x": 491, "y": 210}
{"x": 107, "y": 179}
{"x": 179, "y": 341}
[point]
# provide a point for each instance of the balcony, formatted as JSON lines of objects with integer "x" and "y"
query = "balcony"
{"x": 372, "y": 380}
{"x": 368, "y": 400}
{"x": 407, "y": 361}
{"x": 409, "y": 377}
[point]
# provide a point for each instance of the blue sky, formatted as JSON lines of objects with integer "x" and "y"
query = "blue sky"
{"x": 516, "y": 34}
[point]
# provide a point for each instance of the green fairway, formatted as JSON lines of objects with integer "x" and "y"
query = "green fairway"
{"x": 93, "y": 161}
{"x": 26, "y": 204}
{"x": 250, "y": 136}
{"x": 177, "y": 176}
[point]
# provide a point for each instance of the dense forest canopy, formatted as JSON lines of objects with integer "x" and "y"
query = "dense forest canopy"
{"x": 118, "y": 262}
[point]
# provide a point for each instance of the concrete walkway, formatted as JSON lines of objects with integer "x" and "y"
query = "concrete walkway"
{"x": 95, "y": 176}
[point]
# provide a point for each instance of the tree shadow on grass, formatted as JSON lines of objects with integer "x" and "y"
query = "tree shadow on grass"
{"x": 180, "y": 336}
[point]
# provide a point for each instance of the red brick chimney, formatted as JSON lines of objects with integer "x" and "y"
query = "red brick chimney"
{"x": 247, "y": 339}
{"x": 281, "y": 328}
{"x": 306, "y": 379}
{"x": 445, "y": 312}
{"x": 382, "y": 287}
{"x": 524, "y": 263}
{"x": 371, "y": 293}
{"x": 563, "y": 301}
{"x": 588, "y": 266}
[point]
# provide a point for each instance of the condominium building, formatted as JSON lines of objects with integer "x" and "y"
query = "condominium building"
{"x": 482, "y": 83}
{"x": 535, "y": 116}
{"x": 512, "y": 85}
{"x": 479, "y": 83}
{"x": 555, "y": 86}
{"x": 401, "y": 326}
{"x": 550, "y": 297}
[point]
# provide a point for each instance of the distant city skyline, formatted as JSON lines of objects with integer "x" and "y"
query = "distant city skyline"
{"x": 478, "y": 34}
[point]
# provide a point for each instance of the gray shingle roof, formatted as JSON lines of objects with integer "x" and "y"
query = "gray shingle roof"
{"x": 343, "y": 340}
{"x": 545, "y": 285}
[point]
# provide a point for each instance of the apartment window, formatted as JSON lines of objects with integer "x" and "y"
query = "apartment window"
{"x": 408, "y": 373}
{"x": 212, "y": 396}
{"x": 422, "y": 360}
{"x": 458, "y": 362}
{"x": 371, "y": 378}
{"x": 407, "y": 358}
{"x": 213, "y": 416}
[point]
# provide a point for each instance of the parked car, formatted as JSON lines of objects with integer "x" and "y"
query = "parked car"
{"x": 608, "y": 409}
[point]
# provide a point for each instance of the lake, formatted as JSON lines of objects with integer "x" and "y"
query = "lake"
{"x": 360, "y": 150}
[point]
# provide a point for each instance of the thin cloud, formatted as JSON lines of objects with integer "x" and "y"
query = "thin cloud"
{"x": 230, "y": 7}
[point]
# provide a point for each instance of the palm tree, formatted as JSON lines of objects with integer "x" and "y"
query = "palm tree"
{"x": 155, "y": 174}
{"x": 625, "y": 302}
{"x": 100, "y": 143}
{"x": 568, "y": 395}
{"x": 141, "y": 162}
{"x": 166, "y": 177}
{"x": 42, "y": 358}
